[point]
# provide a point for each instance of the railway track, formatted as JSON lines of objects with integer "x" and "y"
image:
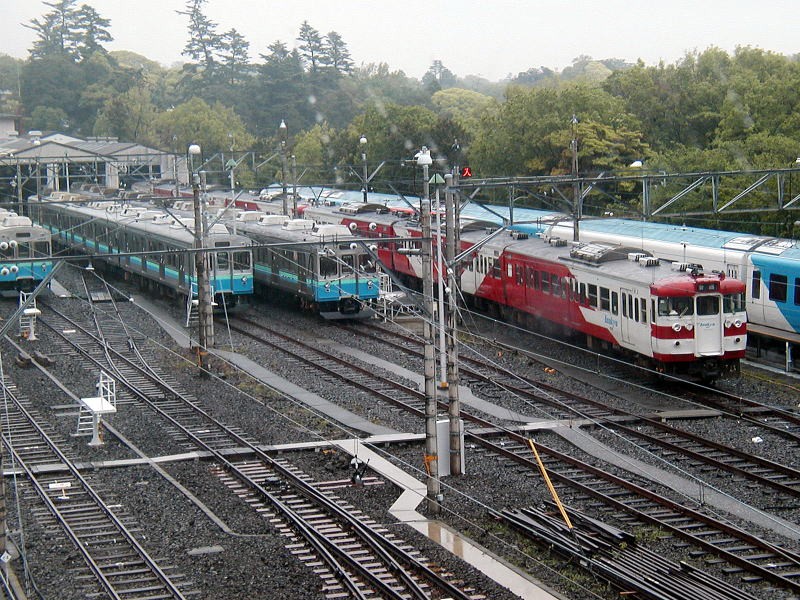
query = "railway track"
{"x": 651, "y": 433}
{"x": 101, "y": 533}
{"x": 360, "y": 569}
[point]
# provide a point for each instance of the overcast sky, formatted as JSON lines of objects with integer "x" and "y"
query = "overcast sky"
{"x": 490, "y": 38}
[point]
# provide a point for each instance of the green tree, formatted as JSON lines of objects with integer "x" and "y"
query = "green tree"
{"x": 91, "y": 30}
{"x": 55, "y": 32}
{"x": 234, "y": 49}
{"x": 312, "y": 47}
{"x": 196, "y": 122}
{"x": 204, "y": 42}
{"x": 337, "y": 55}
{"x": 530, "y": 133}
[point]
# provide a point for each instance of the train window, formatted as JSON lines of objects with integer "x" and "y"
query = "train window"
{"x": 495, "y": 272}
{"x": 797, "y": 290}
{"x": 510, "y": 270}
{"x": 327, "y": 267}
{"x": 614, "y": 303}
{"x": 223, "y": 262}
{"x": 733, "y": 303}
{"x": 777, "y": 287}
{"x": 555, "y": 282}
{"x": 605, "y": 298}
{"x": 520, "y": 274}
{"x": 593, "y": 295}
{"x": 707, "y": 305}
{"x": 675, "y": 307}
{"x": 536, "y": 280}
{"x": 652, "y": 311}
{"x": 643, "y": 309}
{"x": 756, "y": 285}
{"x": 545, "y": 278}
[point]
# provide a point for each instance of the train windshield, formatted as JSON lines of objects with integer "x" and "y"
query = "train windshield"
{"x": 241, "y": 261}
{"x": 733, "y": 303}
{"x": 223, "y": 262}
{"x": 327, "y": 267}
{"x": 708, "y": 305}
{"x": 678, "y": 306}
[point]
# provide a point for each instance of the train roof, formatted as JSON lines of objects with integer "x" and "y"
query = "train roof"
{"x": 695, "y": 236}
{"x": 611, "y": 260}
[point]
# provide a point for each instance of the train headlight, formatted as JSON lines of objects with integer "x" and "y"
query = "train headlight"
{"x": 4, "y": 271}
{"x": 373, "y": 226}
{"x": 244, "y": 278}
{"x": 328, "y": 287}
{"x": 353, "y": 226}
{"x": 689, "y": 327}
{"x": 13, "y": 243}
{"x": 369, "y": 284}
{"x": 737, "y": 323}
{"x": 727, "y": 323}
{"x": 14, "y": 269}
{"x": 3, "y": 245}
{"x": 676, "y": 327}
{"x": 353, "y": 246}
{"x": 374, "y": 248}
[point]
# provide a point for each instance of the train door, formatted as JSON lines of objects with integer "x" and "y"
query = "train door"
{"x": 630, "y": 304}
{"x": 708, "y": 327}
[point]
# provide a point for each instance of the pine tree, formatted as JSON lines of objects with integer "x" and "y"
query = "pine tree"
{"x": 312, "y": 48}
{"x": 337, "y": 54}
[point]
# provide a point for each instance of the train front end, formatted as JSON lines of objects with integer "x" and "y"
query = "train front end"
{"x": 699, "y": 320}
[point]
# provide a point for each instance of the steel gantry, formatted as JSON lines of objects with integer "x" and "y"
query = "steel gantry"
{"x": 647, "y": 194}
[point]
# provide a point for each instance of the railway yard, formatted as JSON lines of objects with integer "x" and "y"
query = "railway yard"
{"x": 242, "y": 484}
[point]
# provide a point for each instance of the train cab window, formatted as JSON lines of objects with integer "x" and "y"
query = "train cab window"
{"x": 614, "y": 303}
{"x": 582, "y": 288}
{"x": 592, "y": 295}
{"x": 605, "y": 298}
{"x": 520, "y": 274}
{"x": 756, "y": 284}
{"x": 778, "y": 285}
{"x": 348, "y": 260}
{"x": 675, "y": 307}
{"x": 733, "y": 303}
{"x": 223, "y": 262}
{"x": 327, "y": 267}
{"x": 241, "y": 261}
{"x": 643, "y": 310}
{"x": 707, "y": 305}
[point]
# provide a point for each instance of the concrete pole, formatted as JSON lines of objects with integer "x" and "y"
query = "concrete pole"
{"x": 431, "y": 447}
{"x": 204, "y": 309}
{"x": 453, "y": 406}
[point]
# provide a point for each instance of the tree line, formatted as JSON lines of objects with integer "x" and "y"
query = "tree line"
{"x": 711, "y": 110}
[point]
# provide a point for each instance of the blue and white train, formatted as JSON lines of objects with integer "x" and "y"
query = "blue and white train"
{"x": 324, "y": 267}
{"x": 25, "y": 254}
{"x": 149, "y": 244}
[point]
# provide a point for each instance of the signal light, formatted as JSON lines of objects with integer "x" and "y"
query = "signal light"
{"x": 466, "y": 172}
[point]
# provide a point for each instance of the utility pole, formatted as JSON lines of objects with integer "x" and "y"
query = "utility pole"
{"x": 294, "y": 186}
{"x": 283, "y": 136}
{"x": 431, "y": 445}
{"x": 576, "y": 188}
{"x": 453, "y": 405}
{"x": 204, "y": 310}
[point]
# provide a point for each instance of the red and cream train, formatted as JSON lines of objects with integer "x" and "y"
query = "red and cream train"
{"x": 672, "y": 316}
